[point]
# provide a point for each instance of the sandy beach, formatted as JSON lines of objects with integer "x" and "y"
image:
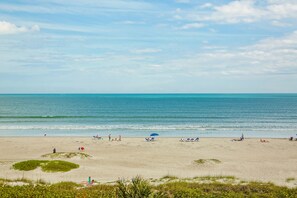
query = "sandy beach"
{"x": 249, "y": 160}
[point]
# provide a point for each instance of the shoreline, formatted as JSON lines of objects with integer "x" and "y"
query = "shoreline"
{"x": 139, "y": 137}
{"x": 249, "y": 160}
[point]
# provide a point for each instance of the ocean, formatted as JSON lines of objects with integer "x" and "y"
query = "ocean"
{"x": 138, "y": 115}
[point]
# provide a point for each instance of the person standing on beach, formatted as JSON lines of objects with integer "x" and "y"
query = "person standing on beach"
{"x": 120, "y": 137}
{"x": 109, "y": 137}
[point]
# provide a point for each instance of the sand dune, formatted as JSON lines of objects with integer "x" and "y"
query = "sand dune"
{"x": 248, "y": 160}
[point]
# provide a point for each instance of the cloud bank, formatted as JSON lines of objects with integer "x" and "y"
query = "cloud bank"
{"x": 10, "y": 28}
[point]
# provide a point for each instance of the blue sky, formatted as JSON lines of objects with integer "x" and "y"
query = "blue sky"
{"x": 129, "y": 46}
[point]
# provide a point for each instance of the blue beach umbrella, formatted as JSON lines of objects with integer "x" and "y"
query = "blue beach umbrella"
{"x": 154, "y": 134}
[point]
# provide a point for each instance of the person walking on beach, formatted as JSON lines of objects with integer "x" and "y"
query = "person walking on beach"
{"x": 109, "y": 137}
{"x": 120, "y": 138}
{"x": 242, "y": 137}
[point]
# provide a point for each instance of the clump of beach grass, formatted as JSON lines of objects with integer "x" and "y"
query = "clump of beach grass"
{"x": 138, "y": 187}
{"x": 168, "y": 177}
{"x": 46, "y": 165}
{"x": 290, "y": 179}
{"x": 204, "y": 161}
{"x": 28, "y": 165}
{"x": 67, "y": 155}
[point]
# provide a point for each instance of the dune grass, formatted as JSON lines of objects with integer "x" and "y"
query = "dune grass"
{"x": 29, "y": 165}
{"x": 46, "y": 165}
{"x": 204, "y": 161}
{"x": 139, "y": 187}
{"x": 67, "y": 155}
{"x": 290, "y": 179}
{"x": 169, "y": 177}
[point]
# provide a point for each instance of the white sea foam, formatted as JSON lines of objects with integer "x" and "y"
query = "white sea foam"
{"x": 139, "y": 127}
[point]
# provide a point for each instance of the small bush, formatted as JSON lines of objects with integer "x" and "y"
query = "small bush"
{"x": 200, "y": 161}
{"x": 290, "y": 179}
{"x": 215, "y": 160}
{"x": 46, "y": 165}
{"x": 65, "y": 186}
{"x": 169, "y": 177}
{"x": 58, "y": 166}
{"x": 28, "y": 165}
{"x": 137, "y": 188}
{"x": 203, "y": 161}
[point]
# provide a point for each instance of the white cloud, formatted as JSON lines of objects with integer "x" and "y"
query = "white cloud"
{"x": 280, "y": 24}
{"x": 192, "y": 25}
{"x": 206, "y": 5}
{"x": 233, "y": 12}
{"x": 244, "y": 11}
{"x": 273, "y": 56}
{"x": 10, "y": 28}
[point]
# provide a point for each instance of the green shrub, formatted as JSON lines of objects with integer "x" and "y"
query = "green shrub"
{"x": 137, "y": 188}
{"x": 203, "y": 161}
{"x": 200, "y": 161}
{"x": 28, "y": 165}
{"x": 290, "y": 179}
{"x": 58, "y": 166}
{"x": 169, "y": 177}
{"x": 46, "y": 165}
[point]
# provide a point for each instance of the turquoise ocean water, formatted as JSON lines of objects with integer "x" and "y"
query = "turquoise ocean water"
{"x": 138, "y": 115}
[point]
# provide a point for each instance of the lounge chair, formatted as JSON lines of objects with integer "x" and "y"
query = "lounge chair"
{"x": 97, "y": 137}
{"x": 150, "y": 139}
{"x": 189, "y": 139}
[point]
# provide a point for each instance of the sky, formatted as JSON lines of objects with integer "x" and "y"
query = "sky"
{"x": 148, "y": 46}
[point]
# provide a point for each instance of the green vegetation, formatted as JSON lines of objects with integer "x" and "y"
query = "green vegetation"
{"x": 200, "y": 161}
{"x": 46, "y": 165}
{"x": 290, "y": 179}
{"x": 29, "y": 165}
{"x": 67, "y": 155}
{"x": 169, "y": 177}
{"x": 137, "y": 188}
{"x": 215, "y": 160}
{"x": 142, "y": 188}
{"x": 203, "y": 161}
{"x": 59, "y": 166}
{"x": 22, "y": 180}
{"x": 213, "y": 178}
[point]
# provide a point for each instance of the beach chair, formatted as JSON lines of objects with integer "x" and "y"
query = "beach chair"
{"x": 149, "y": 139}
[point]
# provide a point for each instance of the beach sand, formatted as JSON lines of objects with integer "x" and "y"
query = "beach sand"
{"x": 248, "y": 160}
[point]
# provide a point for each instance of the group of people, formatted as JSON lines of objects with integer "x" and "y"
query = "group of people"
{"x": 119, "y": 138}
{"x": 114, "y": 139}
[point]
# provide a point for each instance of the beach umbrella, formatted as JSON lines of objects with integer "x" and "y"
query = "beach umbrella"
{"x": 154, "y": 134}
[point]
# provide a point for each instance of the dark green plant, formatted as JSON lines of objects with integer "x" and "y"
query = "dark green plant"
{"x": 138, "y": 188}
{"x": 58, "y": 166}
{"x": 28, "y": 165}
{"x": 46, "y": 165}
